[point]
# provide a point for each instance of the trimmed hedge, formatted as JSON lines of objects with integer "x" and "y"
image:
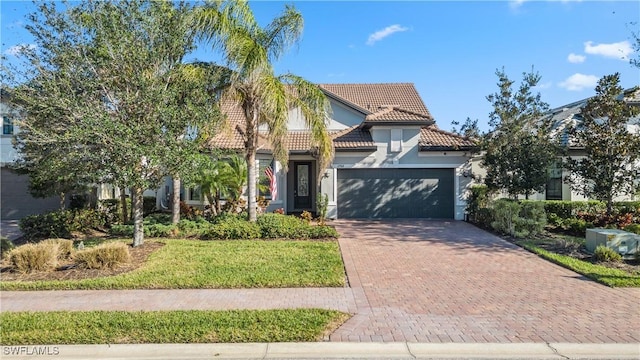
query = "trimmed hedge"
{"x": 568, "y": 209}
{"x": 231, "y": 227}
{"x": 518, "y": 218}
{"x": 61, "y": 224}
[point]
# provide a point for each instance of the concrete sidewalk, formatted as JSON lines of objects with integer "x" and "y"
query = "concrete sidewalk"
{"x": 341, "y": 299}
{"x": 326, "y": 351}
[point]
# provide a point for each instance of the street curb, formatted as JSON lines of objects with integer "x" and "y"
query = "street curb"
{"x": 326, "y": 350}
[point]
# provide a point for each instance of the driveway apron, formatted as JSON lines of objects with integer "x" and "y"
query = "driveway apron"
{"x": 448, "y": 281}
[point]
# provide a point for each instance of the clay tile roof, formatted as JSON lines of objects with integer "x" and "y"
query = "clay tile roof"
{"x": 231, "y": 137}
{"x": 396, "y": 113}
{"x": 298, "y": 140}
{"x": 353, "y": 138}
{"x": 432, "y": 138}
{"x": 372, "y": 97}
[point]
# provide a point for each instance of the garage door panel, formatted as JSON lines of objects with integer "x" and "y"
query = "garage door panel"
{"x": 395, "y": 193}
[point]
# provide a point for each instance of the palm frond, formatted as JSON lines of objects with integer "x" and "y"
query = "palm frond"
{"x": 316, "y": 110}
{"x": 283, "y": 32}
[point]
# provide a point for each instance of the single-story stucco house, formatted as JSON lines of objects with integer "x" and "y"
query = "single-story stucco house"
{"x": 391, "y": 160}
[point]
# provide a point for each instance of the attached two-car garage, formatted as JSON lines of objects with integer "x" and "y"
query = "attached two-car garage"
{"x": 396, "y": 193}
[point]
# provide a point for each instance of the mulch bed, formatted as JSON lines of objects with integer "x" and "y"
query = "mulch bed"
{"x": 67, "y": 271}
{"x": 580, "y": 252}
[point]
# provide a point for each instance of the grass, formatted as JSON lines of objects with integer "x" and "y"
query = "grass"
{"x": 602, "y": 274}
{"x": 193, "y": 264}
{"x": 120, "y": 327}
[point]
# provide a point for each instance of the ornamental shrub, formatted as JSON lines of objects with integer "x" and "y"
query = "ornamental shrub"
{"x": 532, "y": 219}
{"x": 322, "y": 232}
{"x": 161, "y": 230}
{"x": 233, "y": 228}
{"x": 506, "y": 213}
{"x": 65, "y": 247}
{"x": 633, "y": 228}
{"x": 577, "y": 227}
{"x": 61, "y": 223}
{"x": 274, "y": 226}
{"x": 148, "y": 205}
{"x": 6, "y": 245}
{"x": 121, "y": 230}
{"x": 479, "y": 200}
{"x": 193, "y": 228}
{"x": 603, "y": 253}
{"x": 104, "y": 256}
{"x": 28, "y": 258}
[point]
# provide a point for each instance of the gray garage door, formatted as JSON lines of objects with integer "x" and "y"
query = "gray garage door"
{"x": 17, "y": 202}
{"x": 395, "y": 193}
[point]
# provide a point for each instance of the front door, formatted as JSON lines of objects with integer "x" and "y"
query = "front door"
{"x": 302, "y": 185}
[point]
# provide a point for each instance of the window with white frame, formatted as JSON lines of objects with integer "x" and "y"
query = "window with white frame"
{"x": 7, "y": 125}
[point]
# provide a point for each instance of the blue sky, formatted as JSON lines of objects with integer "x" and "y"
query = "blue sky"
{"x": 448, "y": 49}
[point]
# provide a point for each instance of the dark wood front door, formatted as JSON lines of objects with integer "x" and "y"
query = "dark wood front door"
{"x": 302, "y": 185}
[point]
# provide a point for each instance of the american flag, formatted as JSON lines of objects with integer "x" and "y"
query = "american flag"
{"x": 273, "y": 184}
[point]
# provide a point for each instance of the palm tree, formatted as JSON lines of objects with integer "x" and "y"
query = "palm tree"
{"x": 264, "y": 97}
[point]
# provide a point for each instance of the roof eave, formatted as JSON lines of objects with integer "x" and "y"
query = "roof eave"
{"x": 446, "y": 148}
{"x": 368, "y": 124}
{"x": 357, "y": 149}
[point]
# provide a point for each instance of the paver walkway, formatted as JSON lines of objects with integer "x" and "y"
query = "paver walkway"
{"x": 414, "y": 281}
{"x": 439, "y": 281}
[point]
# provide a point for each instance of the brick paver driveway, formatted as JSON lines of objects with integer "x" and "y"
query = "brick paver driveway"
{"x": 447, "y": 281}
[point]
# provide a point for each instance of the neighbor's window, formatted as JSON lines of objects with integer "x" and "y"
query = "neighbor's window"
{"x": 554, "y": 184}
{"x": 195, "y": 194}
{"x": 7, "y": 125}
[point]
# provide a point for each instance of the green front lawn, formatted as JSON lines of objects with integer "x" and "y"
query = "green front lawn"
{"x": 120, "y": 327}
{"x": 602, "y": 274}
{"x": 219, "y": 264}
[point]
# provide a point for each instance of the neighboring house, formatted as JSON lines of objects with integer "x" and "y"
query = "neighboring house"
{"x": 391, "y": 160}
{"x": 15, "y": 200}
{"x": 562, "y": 118}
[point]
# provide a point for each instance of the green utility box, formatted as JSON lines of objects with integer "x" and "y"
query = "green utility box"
{"x": 624, "y": 243}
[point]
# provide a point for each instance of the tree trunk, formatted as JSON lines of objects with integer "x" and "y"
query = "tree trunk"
{"x": 609, "y": 206}
{"x": 175, "y": 203}
{"x": 212, "y": 204}
{"x": 218, "y": 202}
{"x": 251, "y": 184}
{"x": 124, "y": 216}
{"x": 138, "y": 216}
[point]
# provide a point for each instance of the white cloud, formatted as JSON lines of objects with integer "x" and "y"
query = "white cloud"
{"x": 381, "y": 34}
{"x": 18, "y": 49}
{"x": 576, "y": 59}
{"x": 578, "y": 82}
{"x": 620, "y": 50}
{"x": 515, "y": 4}
{"x": 546, "y": 85}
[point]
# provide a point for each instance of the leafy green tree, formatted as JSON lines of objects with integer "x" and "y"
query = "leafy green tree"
{"x": 106, "y": 89}
{"x": 611, "y": 162}
{"x": 517, "y": 151}
{"x": 265, "y": 97}
{"x": 469, "y": 128}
